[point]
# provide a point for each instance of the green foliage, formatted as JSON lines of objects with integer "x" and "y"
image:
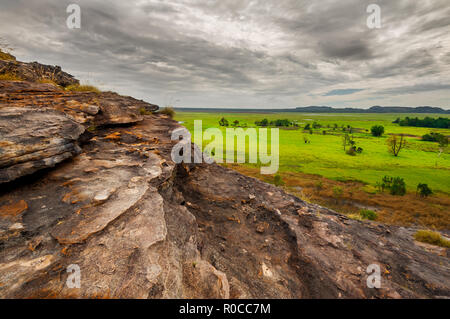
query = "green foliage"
{"x": 223, "y": 122}
{"x": 337, "y": 191}
{"x": 368, "y": 214}
{"x": 398, "y": 186}
{"x": 423, "y": 190}
{"x": 431, "y": 237}
{"x": 277, "y": 180}
{"x": 441, "y": 139}
{"x": 440, "y": 122}
{"x": 395, "y": 185}
{"x": 307, "y": 127}
{"x": 377, "y": 130}
{"x": 277, "y": 122}
{"x": 143, "y": 111}
{"x": 351, "y": 151}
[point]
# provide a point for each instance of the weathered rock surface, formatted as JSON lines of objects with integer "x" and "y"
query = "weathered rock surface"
{"x": 32, "y": 139}
{"x": 88, "y": 108}
{"x": 40, "y": 124}
{"x": 140, "y": 226}
{"x": 36, "y": 72}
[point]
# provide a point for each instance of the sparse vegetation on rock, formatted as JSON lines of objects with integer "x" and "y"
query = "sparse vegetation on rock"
{"x": 431, "y": 237}
{"x": 168, "y": 110}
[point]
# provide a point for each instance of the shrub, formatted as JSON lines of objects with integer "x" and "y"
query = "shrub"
{"x": 224, "y": 122}
{"x": 431, "y": 237}
{"x": 143, "y": 111}
{"x": 368, "y": 214}
{"x": 432, "y": 137}
{"x": 351, "y": 151}
{"x": 316, "y": 125}
{"x": 281, "y": 122}
{"x": 377, "y": 130}
{"x": 277, "y": 180}
{"x": 82, "y": 88}
{"x": 398, "y": 186}
{"x": 169, "y": 111}
{"x": 337, "y": 191}
{"x": 319, "y": 185}
{"x": 423, "y": 190}
{"x": 307, "y": 127}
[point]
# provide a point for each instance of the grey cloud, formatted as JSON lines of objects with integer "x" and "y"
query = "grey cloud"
{"x": 237, "y": 52}
{"x": 412, "y": 89}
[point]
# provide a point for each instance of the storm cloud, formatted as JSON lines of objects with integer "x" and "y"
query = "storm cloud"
{"x": 239, "y": 53}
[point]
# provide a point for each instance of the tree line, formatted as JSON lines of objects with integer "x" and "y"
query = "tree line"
{"x": 440, "y": 122}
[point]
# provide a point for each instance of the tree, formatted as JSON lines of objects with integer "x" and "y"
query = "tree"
{"x": 377, "y": 130}
{"x": 264, "y": 122}
{"x": 307, "y": 127}
{"x": 346, "y": 140}
{"x": 223, "y": 122}
{"x": 396, "y": 143}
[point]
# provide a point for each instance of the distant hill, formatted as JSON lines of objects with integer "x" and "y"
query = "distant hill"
{"x": 373, "y": 109}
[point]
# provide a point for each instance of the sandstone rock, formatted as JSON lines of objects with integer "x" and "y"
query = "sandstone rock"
{"x": 36, "y": 72}
{"x": 87, "y": 108}
{"x": 32, "y": 139}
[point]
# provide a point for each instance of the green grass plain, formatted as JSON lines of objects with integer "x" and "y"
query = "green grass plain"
{"x": 324, "y": 155}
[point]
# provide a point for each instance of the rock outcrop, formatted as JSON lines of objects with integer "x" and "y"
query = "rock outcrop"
{"x": 36, "y": 72}
{"x": 137, "y": 225}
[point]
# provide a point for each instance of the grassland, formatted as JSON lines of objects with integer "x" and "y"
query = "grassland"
{"x": 323, "y": 160}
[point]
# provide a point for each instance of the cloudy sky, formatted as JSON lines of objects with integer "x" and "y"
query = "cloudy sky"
{"x": 239, "y": 53}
